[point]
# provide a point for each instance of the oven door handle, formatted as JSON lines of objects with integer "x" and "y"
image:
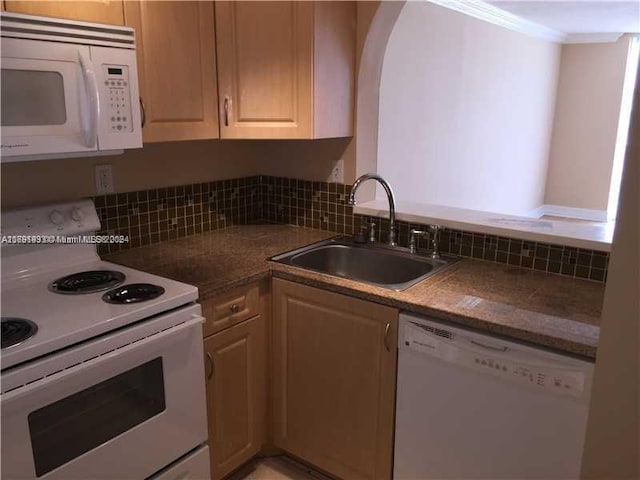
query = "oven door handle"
{"x": 91, "y": 85}
{"x": 43, "y": 382}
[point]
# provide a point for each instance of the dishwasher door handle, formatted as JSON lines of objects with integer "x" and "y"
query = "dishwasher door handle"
{"x": 490, "y": 347}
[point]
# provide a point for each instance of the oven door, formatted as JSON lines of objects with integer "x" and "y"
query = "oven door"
{"x": 50, "y": 99}
{"x": 126, "y": 413}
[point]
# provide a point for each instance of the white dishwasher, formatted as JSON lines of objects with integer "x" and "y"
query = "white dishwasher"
{"x": 473, "y": 406}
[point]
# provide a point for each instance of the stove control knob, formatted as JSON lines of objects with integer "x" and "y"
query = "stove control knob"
{"x": 56, "y": 217}
{"x": 76, "y": 214}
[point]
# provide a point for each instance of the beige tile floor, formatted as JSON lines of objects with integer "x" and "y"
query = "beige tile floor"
{"x": 276, "y": 468}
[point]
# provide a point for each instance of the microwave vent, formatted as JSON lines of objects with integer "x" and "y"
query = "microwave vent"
{"x": 17, "y": 25}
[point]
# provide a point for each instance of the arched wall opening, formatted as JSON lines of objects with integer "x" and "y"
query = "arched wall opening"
{"x": 368, "y": 90}
{"x": 507, "y": 85}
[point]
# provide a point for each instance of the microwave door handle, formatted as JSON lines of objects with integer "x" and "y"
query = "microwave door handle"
{"x": 91, "y": 84}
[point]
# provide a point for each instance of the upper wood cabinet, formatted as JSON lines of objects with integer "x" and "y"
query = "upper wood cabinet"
{"x": 286, "y": 69}
{"x": 104, "y": 11}
{"x": 334, "y": 377}
{"x": 176, "y": 69}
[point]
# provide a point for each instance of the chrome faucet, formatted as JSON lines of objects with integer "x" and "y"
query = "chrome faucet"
{"x": 390, "y": 198}
{"x": 432, "y": 233}
{"x": 413, "y": 244}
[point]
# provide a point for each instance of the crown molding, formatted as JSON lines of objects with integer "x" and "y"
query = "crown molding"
{"x": 491, "y": 14}
{"x": 593, "y": 37}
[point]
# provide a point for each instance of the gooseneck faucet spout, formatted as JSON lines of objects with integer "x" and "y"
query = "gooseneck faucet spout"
{"x": 390, "y": 198}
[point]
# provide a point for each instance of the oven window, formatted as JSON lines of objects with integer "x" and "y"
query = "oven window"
{"x": 32, "y": 98}
{"x": 76, "y": 424}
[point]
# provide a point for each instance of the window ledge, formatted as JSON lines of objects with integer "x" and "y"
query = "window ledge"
{"x": 593, "y": 236}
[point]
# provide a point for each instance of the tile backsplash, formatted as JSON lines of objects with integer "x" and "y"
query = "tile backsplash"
{"x": 156, "y": 215}
{"x": 152, "y": 216}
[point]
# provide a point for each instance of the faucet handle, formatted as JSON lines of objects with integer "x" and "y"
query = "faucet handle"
{"x": 413, "y": 233}
{"x": 434, "y": 230}
{"x": 372, "y": 231}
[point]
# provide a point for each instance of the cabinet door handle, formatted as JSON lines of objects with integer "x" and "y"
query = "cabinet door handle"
{"x": 226, "y": 111}
{"x": 212, "y": 365}
{"x": 143, "y": 113}
{"x": 234, "y": 308}
{"x": 387, "y": 327}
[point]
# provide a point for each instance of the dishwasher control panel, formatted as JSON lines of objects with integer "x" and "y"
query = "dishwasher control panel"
{"x": 496, "y": 360}
{"x": 553, "y": 379}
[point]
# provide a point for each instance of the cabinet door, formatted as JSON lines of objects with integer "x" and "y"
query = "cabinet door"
{"x": 265, "y": 57}
{"x": 334, "y": 380}
{"x": 99, "y": 12}
{"x": 235, "y": 394}
{"x": 176, "y": 69}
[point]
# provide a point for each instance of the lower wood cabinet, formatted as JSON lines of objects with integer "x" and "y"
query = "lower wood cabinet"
{"x": 236, "y": 394}
{"x": 334, "y": 380}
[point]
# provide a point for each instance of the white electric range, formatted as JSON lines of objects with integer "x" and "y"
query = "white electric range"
{"x": 102, "y": 372}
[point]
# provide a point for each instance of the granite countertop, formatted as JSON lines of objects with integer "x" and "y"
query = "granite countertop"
{"x": 536, "y": 307}
{"x": 221, "y": 260}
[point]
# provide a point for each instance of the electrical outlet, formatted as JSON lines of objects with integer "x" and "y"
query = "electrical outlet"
{"x": 104, "y": 179}
{"x": 337, "y": 172}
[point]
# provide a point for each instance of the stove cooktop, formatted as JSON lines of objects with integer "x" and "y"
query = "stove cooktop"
{"x": 87, "y": 282}
{"x": 133, "y": 293}
{"x": 64, "y": 320}
{"x": 15, "y": 331}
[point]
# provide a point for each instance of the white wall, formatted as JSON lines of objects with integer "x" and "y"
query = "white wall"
{"x": 588, "y": 103}
{"x": 466, "y": 110}
{"x": 612, "y": 446}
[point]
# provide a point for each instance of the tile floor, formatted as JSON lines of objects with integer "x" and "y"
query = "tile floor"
{"x": 276, "y": 468}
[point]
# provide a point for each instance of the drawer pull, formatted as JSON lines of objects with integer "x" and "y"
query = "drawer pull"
{"x": 235, "y": 308}
{"x": 386, "y": 336}
{"x": 226, "y": 111}
{"x": 211, "y": 364}
{"x": 143, "y": 114}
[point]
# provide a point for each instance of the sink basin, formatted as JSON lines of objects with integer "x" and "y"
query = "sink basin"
{"x": 389, "y": 267}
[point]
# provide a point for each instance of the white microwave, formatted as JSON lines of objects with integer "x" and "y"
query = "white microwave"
{"x": 69, "y": 88}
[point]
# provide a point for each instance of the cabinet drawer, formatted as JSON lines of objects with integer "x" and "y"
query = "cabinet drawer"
{"x": 231, "y": 308}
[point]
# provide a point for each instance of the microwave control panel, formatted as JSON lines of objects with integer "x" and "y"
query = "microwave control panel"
{"x": 116, "y": 81}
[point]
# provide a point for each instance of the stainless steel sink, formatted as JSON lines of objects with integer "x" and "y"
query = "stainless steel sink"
{"x": 389, "y": 267}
